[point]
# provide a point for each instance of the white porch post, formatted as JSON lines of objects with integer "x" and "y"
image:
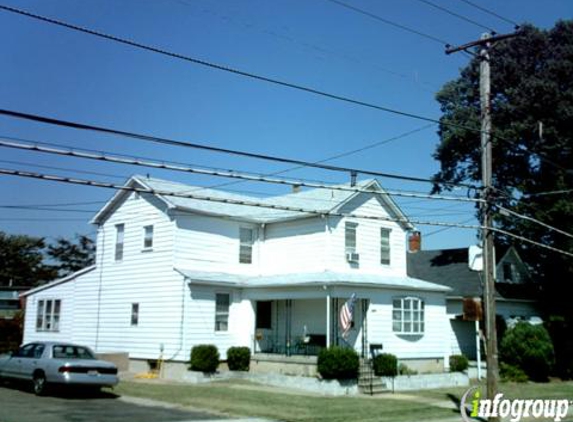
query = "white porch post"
{"x": 328, "y": 340}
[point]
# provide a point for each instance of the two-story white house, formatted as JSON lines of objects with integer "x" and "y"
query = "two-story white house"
{"x": 174, "y": 272}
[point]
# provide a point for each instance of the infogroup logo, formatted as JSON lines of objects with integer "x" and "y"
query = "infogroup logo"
{"x": 515, "y": 409}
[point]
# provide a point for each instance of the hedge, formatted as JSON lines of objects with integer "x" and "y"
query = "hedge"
{"x": 338, "y": 363}
{"x": 204, "y": 358}
{"x": 238, "y": 358}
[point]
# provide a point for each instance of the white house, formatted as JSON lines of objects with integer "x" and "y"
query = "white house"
{"x": 174, "y": 272}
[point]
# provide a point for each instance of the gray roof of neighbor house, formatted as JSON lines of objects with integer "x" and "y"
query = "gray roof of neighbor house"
{"x": 318, "y": 200}
{"x": 449, "y": 267}
{"x": 310, "y": 279}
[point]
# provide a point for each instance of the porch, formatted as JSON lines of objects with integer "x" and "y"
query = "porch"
{"x": 303, "y": 327}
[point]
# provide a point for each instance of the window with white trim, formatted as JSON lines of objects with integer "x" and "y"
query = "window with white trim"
{"x": 222, "y": 303}
{"x": 350, "y": 237}
{"x": 408, "y": 315}
{"x": 119, "y": 232}
{"x": 148, "y": 237}
{"x": 385, "y": 246}
{"x": 246, "y": 240}
{"x": 48, "y": 315}
{"x": 134, "y": 314}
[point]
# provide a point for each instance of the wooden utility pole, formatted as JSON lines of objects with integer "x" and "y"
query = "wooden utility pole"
{"x": 484, "y": 44}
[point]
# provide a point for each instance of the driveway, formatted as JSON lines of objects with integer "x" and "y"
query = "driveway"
{"x": 19, "y": 405}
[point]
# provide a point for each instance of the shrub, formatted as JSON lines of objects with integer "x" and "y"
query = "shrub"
{"x": 458, "y": 363}
{"x": 404, "y": 369}
{"x": 204, "y": 358}
{"x": 338, "y": 363}
{"x": 529, "y": 348}
{"x": 385, "y": 365}
{"x": 512, "y": 373}
{"x": 239, "y": 358}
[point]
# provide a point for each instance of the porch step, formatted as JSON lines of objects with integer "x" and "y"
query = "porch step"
{"x": 368, "y": 383}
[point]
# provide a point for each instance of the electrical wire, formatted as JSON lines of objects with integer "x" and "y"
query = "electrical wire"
{"x": 533, "y": 242}
{"x": 93, "y": 173}
{"x": 506, "y": 211}
{"x": 221, "y": 173}
{"x": 29, "y": 208}
{"x": 483, "y": 9}
{"x": 230, "y": 201}
{"x": 389, "y": 22}
{"x": 457, "y": 15}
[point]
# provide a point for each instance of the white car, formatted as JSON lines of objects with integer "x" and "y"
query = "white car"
{"x": 46, "y": 363}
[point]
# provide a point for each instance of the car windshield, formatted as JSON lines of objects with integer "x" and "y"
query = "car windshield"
{"x": 72, "y": 352}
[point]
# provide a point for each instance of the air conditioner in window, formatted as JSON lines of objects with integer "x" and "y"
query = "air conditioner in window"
{"x": 352, "y": 257}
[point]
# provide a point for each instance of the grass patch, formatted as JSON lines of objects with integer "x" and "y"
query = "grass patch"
{"x": 245, "y": 399}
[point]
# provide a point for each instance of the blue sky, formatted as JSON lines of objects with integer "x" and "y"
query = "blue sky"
{"x": 56, "y": 72}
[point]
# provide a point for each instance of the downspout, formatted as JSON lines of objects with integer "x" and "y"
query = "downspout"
{"x": 102, "y": 254}
{"x": 183, "y": 294}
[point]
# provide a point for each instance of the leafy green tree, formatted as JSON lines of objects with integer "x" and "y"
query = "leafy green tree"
{"x": 22, "y": 261}
{"x": 72, "y": 256}
{"x": 532, "y": 111}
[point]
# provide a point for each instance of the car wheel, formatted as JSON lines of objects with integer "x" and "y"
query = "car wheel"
{"x": 39, "y": 384}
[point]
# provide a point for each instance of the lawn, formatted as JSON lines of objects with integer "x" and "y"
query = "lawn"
{"x": 242, "y": 398}
{"x": 246, "y": 399}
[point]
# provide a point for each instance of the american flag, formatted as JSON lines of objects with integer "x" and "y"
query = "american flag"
{"x": 346, "y": 314}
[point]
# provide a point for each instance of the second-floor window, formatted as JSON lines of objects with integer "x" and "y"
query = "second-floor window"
{"x": 134, "y": 314}
{"x": 350, "y": 237}
{"x": 148, "y": 237}
{"x": 507, "y": 272}
{"x": 119, "y": 232}
{"x": 48, "y": 315}
{"x": 246, "y": 239}
{"x": 385, "y": 246}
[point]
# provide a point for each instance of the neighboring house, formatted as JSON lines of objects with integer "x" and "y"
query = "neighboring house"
{"x": 514, "y": 290}
{"x": 10, "y": 302}
{"x": 175, "y": 272}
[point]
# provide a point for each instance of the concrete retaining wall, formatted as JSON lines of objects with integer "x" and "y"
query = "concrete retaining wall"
{"x": 426, "y": 381}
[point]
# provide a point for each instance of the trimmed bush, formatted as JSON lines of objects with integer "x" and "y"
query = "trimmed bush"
{"x": 512, "y": 373}
{"x": 239, "y": 358}
{"x": 385, "y": 365}
{"x": 529, "y": 348}
{"x": 338, "y": 363}
{"x": 404, "y": 369}
{"x": 458, "y": 363}
{"x": 204, "y": 358}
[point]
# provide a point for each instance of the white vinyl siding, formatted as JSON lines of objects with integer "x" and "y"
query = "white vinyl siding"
{"x": 246, "y": 240}
{"x": 119, "y": 235}
{"x": 408, "y": 315}
{"x": 385, "y": 246}
{"x": 48, "y": 315}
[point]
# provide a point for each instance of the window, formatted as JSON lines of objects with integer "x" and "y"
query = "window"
{"x": 350, "y": 237}
{"x": 119, "y": 231}
{"x": 246, "y": 245}
{"x": 507, "y": 271}
{"x": 264, "y": 315}
{"x": 385, "y": 246}
{"x": 148, "y": 237}
{"x": 408, "y": 315}
{"x": 48, "y": 315}
{"x": 134, "y": 314}
{"x": 222, "y": 301}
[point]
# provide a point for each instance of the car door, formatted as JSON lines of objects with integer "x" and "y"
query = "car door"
{"x": 13, "y": 367}
{"x": 30, "y": 362}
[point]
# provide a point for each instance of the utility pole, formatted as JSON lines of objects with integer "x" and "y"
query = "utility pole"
{"x": 484, "y": 44}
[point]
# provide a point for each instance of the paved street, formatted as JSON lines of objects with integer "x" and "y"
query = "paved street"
{"x": 19, "y": 405}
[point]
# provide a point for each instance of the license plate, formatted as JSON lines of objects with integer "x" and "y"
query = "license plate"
{"x": 92, "y": 372}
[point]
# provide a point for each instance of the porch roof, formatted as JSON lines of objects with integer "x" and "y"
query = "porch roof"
{"x": 310, "y": 279}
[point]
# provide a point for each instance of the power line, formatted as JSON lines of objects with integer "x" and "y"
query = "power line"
{"x": 505, "y": 211}
{"x": 42, "y": 219}
{"x": 32, "y": 208}
{"x": 555, "y": 192}
{"x": 483, "y": 9}
{"x": 167, "y": 141}
{"x": 93, "y": 173}
{"x": 432, "y": 233}
{"x": 457, "y": 15}
{"x": 93, "y": 183}
{"x": 221, "y": 173}
{"x": 389, "y": 22}
{"x": 230, "y": 201}
{"x": 60, "y": 204}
